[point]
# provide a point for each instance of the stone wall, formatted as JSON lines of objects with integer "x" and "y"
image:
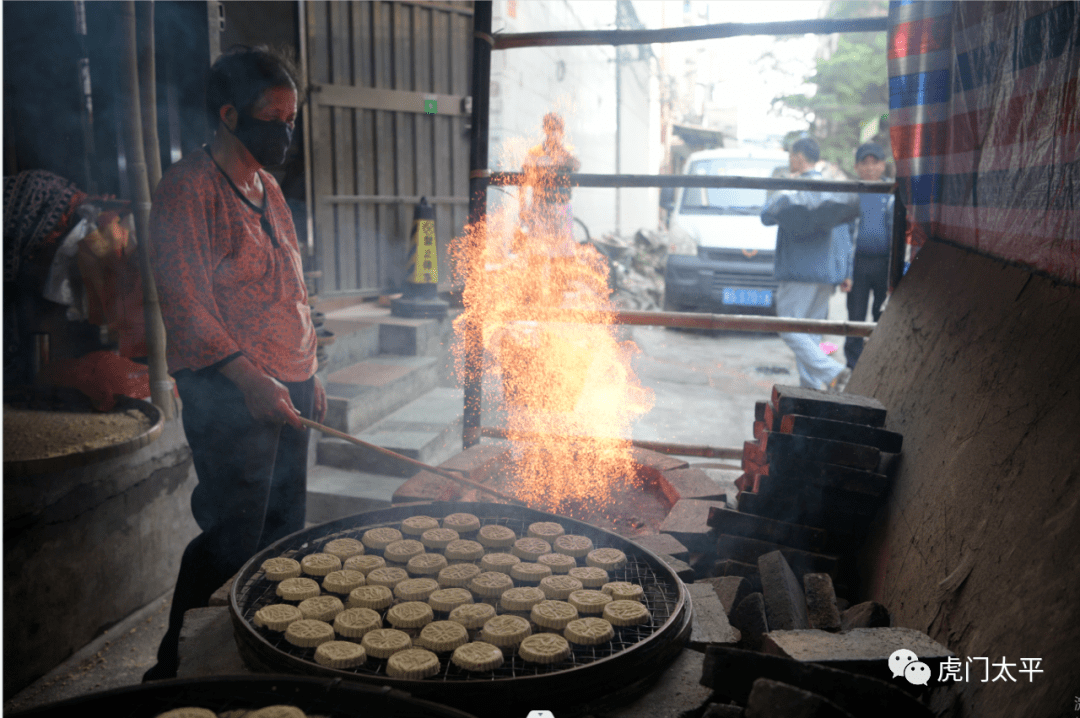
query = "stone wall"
{"x": 978, "y": 363}
{"x": 86, "y": 547}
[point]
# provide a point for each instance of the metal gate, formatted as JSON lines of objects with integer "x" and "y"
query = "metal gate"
{"x": 375, "y": 147}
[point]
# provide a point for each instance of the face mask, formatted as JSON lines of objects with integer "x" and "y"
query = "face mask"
{"x": 267, "y": 140}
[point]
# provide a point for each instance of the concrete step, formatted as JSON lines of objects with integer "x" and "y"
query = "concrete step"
{"x": 334, "y": 493}
{"x": 363, "y": 393}
{"x": 427, "y": 429}
{"x": 354, "y": 341}
{"x": 394, "y": 335}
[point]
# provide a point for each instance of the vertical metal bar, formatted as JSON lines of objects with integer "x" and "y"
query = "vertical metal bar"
{"x": 899, "y": 239}
{"x": 86, "y": 106}
{"x": 306, "y": 121}
{"x": 478, "y": 183}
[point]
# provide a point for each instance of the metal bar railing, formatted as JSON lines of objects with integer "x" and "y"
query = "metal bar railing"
{"x": 696, "y": 320}
{"x": 821, "y": 26}
{"x": 708, "y": 181}
{"x": 480, "y": 177}
{"x": 663, "y": 447}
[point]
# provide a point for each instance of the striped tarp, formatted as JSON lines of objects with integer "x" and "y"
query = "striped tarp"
{"x": 985, "y": 126}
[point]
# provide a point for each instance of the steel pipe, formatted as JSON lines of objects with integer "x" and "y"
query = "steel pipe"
{"x": 709, "y": 181}
{"x": 472, "y": 337}
{"x": 822, "y": 26}
{"x": 662, "y": 447}
{"x": 698, "y": 320}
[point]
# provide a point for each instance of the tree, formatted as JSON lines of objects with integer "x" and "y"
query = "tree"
{"x": 851, "y": 79}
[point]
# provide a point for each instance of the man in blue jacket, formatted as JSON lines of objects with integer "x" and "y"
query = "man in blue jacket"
{"x": 872, "y": 238}
{"x": 814, "y": 250}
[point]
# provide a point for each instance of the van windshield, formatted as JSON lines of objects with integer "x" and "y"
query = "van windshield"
{"x": 728, "y": 200}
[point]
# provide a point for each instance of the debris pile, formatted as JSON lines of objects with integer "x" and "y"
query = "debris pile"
{"x": 637, "y": 268}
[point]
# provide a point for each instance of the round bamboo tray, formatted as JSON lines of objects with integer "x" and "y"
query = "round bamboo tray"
{"x": 607, "y": 674}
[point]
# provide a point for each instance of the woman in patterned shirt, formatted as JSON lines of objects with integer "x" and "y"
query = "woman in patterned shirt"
{"x": 241, "y": 343}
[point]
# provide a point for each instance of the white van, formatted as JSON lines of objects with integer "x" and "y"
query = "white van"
{"x": 722, "y": 257}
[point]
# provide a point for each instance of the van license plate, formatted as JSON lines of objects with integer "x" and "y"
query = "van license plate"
{"x": 748, "y": 297}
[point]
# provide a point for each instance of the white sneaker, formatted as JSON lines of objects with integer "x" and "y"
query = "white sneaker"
{"x": 837, "y": 385}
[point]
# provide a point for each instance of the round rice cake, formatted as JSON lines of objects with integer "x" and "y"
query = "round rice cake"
{"x": 340, "y": 654}
{"x": 520, "y": 599}
{"x": 373, "y": 597}
{"x": 472, "y": 615}
{"x": 277, "y": 616}
{"x": 344, "y": 548}
{"x": 557, "y": 562}
{"x": 196, "y": 712}
{"x": 426, "y": 564}
{"x": 496, "y": 536}
{"x": 553, "y": 615}
{"x": 413, "y": 664}
{"x": 380, "y": 538}
{"x": 417, "y": 525}
{"x": 298, "y": 589}
{"x": 625, "y": 613}
{"x": 438, "y": 539}
{"x": 364, "y": 564}
{"x": 461, "y": 522}
{"x": 490, "y": 584}
{"x": 589, "y": 631}
{"x": 388, "y": 576}
{"x": 505, "y": 631}
{"x": 442, "y": 636}
{"x": 588, "y": 601}
{"x": 463, "y": 550}
{"x": 401, "y": 551}
{"x": 309, "y": 633}
{"x": 544, "y": 648}
{"x": 410, "y": 614}
{"x": 559, "y": 588}
{"x": 447, "y": 599}
{"x": 322, "y": 608}
{"x": 458, "y": 575}
{"x": 416, "y": 589}
{"x": 530, "y": 549}
{"x": 281, "y": 568}
{"x": 501, "y": 562}
{"x": 609, "y": 559}
{"x": 355, "y": 622}
{"x": 529, "y": 573}
{"x": 590, "y": 576}
{"x": 477, "y": 657}
{"x": 623, "y": 591}
{"x": 320, "y": 564}
{"x": 278, "y": 711}
{"x": 385, "y": 642}
{"x": 547, "y": 530}
{"x": 343, "y": 581}
{"x": 572, "y": 545}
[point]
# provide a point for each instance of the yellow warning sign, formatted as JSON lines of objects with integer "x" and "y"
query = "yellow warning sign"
{"x": 426, "y": 269}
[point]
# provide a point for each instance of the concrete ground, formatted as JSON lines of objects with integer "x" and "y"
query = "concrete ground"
{"x": 704, "y": 386}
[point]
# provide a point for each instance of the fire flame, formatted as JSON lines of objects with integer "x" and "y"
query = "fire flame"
{"x": 569, "y": 391}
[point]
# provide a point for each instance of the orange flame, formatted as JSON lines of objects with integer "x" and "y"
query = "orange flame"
{"x": 569, "y": 392}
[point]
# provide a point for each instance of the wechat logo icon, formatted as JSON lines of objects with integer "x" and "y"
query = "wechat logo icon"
{"x": 905, "y": 663}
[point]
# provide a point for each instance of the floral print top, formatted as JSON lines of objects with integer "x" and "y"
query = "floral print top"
{"x": 229, "y": 275}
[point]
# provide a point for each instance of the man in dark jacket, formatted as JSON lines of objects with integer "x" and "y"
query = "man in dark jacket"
{"x": 813, "y": 256}
{"x": 872, "y": 238}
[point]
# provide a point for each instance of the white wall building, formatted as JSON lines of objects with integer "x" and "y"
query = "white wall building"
{"x": 613, "y": 126}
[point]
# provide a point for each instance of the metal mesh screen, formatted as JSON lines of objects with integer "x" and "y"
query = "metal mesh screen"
{"x": 661, "y": 596}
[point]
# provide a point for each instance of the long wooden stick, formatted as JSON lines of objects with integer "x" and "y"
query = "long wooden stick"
{"x": 452, "y": 475}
